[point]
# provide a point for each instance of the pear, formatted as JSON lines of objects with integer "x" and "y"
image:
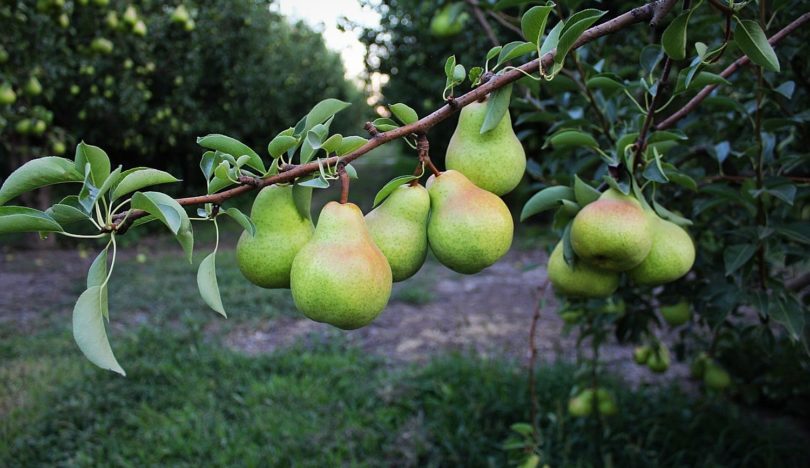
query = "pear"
{"x": 612, "y": 233}
{"x": 449, "y": 20}
{"x": 340, "y": 276}
{"x": 7, "y": 95}
{"x": 495, "y": 160}
{"x": 641, "y": 354}
{"x": 469, "y": 228}
{"x": 671, "y": 256}
{"x": 658, "y": 360}
{"x": 399, "y": 228}
{"x": 676, "y": 314}
{"x": 715, "y": 377}
{"x": 581, "y": 280}
{"x": 581, "y": 405}
{"x": 266, "y": 258}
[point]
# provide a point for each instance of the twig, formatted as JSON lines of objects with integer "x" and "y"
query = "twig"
{"x": 740, "y": 62}
{"x": 535, "y": 404}
{"x": 344, "y": 183}
{"x": 483, "y": 22}
{"x": 641, "y": 142}
{"x": 661, "y": 11}
{"x": 500, "y": 19}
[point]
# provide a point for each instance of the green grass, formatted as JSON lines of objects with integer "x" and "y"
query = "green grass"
{"x": 188, "y": 401}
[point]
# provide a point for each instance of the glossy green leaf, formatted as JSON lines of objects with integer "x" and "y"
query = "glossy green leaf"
{"x": 574, "y": 27}
{"x": 232, "y": 146}
{"x": 404, "y": 113}
{"x": 316, "y": 182}
{"x": 604, "y": 83}
{"x": 497, "y": 107}
{"x": 98, "y": 160}
{"x": 751, "y": 39}
{"x": 163, "y": 207}
{"x": 96, "y": 276}
{"x": 332, "y": 143}
{"x": 323, "y": 111}
{"x": 22, "y": 219}
{"x": 584, "y": 193}
{"x": 303, "y": 200}
{"x": 280, "y": 144}
{"x": 89, "y": 332}
{"x": 40, "y": 172}
{"x": 674, "y": 37}
{"x": 670, "y": 216}
{"x": 459, "y": 73}
{"x": 546, "y": 199}
{"x": 141, "y": 177}
{"x": 350, "y": 144}
{"x": 552, "y": 39}
{"x": 573, "y": 138}
{"x": 533, "y": 23}
{"x": 68, "y": 211}
{"x": 514, "y": 50}
{"x": 449, "y": 66}
{"x": 389, "y": 188}
{"x": 242, "y": 219}
{"x": 207, "y": 284}
{"x": 208, "y": 162}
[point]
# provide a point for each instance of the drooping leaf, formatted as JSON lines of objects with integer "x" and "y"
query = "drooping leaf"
{"x": 552, "y": 39}
{"x": 389, "y": 188}
{"x": 546, "y": 199}
{"x": 497, "y": 107}
{"x": 242, "y": 219}
{"x": 22, "y": 219}
{"x": 96, "y": 276}
{"x": 207, "y": 284}
{"x": 208, "y": 162}
{"x": 89, "y": 332}
{"x": 670, "y": 216}
{"x": 404, "y": 113}
{"x": 315, "y": 182}
{"x": 163, "y": 207}
{"x": 751, "y": 39}
{"x": 40, "y": 172}
{"x": 791, "y": 314}
{"x": 302, "y": 196}
{"x": 583, "y": 192}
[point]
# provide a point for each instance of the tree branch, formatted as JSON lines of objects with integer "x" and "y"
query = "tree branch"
{"x": 636, "y": 15}
{"x": 740, "y": 62}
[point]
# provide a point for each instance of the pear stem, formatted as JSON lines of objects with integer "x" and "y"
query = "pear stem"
{"x": 344, "y": 183}
{"x": 423, "y": 146}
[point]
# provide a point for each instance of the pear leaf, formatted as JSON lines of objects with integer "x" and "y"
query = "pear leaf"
{"x": 350, "y": 144}
{"x": 242, "y": 219}
{"x": 389, "y": 188}
{"x": 89, "y": 332}
{"x": 533, "y": 23}
{"x": 735, "y": 256}
{"x": 572, "y": 138}
{"x": 96, "y": 276}
{"x": 232, "y": 146}
{"x": 322, "y": 112}
{"x": 751, "y": 39}
{"x": 137, "y": 178}
{"x": 332, "y": 143}
{"x": 315, "y": 182}
{"x": 207, "y": 284}
{"x": 208, "y": 162}
{"x": 404, "y": 113}
{"x": 97, "y": 159}
{"x": 674, "y": 37}
{"x": 163, "y": 207}
{"x": 546, "y": 199}
{"x": 68, "y": 211}
{"x": 670, "y": 216}
{"x": 497, "y": 107}
{"x": 21, "y": 219}
{"x": 552, "y": 39}
{"x": 583, "y": 192}
{"x": 280, "y": 144}
{"x": 574, "y": 27}
{"x": 569, "y": 255}
{"x": 302, "y": 196}
{"x": 38, "y": 173}
{"x": 514, "y": 50}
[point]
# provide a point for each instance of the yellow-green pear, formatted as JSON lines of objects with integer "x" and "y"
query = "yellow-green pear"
{"x": 641, "y": 354}
{"x": 658, "y": 360}
{"x": 340, "y": 276}
{"x": 449, "y": 20}
{"x": 715, "y": 377}
{"x": 495, "y": 160}
{"x": 469, "y": 228}
{"x": 581, "y": 280}
{"x": 613, "y": 233}
{"x": 266, "y": 258}
{"x": 399, "y": 228}
{"x": 671, "y": 256}
{"x": 676, "y": 314}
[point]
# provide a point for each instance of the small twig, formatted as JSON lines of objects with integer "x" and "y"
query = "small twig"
{"x": 641, "y": 142}
{"x": 660, "y": 11}
{"x": 535, "y": 404}
{"x": 371, "y": 129}
{"x": 591, "y": 99}
{"x": 723, "y": 8}
{"x": 504, "y": 22}
{"x": 248, "y": 180}
{"x": 739, "y": 63}
{"x": 344, "y": 183}
{"x": 483, "y": 22}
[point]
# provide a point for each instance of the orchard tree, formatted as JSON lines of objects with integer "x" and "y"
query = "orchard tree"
{"x": 676, "y": 192}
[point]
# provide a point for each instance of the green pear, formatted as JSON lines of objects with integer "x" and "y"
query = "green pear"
{"x": 340, "y": 276}
{"x": 698, "y": 367}
{"x": 130, "y": 15}
{"x": 180, "y": 15}
{"x": 101, "y": 45}
{"x": 658, "y": 360}
{"x": 495, "y": 160}
{"x": 671, "y": 256}
{"x": 581, "y": 405}
{"x": 33, "y": 87}
{"x": 641, "y": 354}
{"x": 469, "y": 228}
{"x": 266, "y": 258}
{"x": 581, "y": 280}
{"x": 139, "y": 29}
{"x": 606, "y": 402}
{"x": 612, "y": 233}
{"x": 7, "y": 94}
{"x": 677, "y": 314}
{"x": 449, "y": 20}
{"x": 715, "y": 377}
{"x": 399, "y": 228}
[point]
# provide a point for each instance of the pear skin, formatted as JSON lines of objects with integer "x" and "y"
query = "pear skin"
{"x": 495, "y": 160}
{"x": 581, "y": 280}
{"x": 612, "y": 233}
{"x": 469, "y": 228}
{"x": 671, "y": 257}
{"x": 340, "y": 276}
{"x": 399, "y": 228}
{"x": 266, "y": 258}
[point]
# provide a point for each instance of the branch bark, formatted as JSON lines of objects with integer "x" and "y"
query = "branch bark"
{"x": 739, "y": 63}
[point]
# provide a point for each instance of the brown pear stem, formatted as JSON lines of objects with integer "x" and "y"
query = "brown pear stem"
{"x": 344, "y": 183}
{"x": 423, "y": 147}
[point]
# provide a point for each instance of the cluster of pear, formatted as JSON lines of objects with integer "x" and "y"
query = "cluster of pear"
{"x": 614, "y": 234}
{"x": 656, "y": 358}
{"x": 714, "y": 376}
{"x": 583, "y": 403}
{"x": 341, "y": 272}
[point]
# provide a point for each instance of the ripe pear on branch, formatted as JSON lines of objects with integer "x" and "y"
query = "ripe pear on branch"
{"x": 580, "y": 279}
{"x": 469, "y": 228}
{"x": 340, "y": 276}
{"x": 493, "y": 160}
{"x": 671, "y": 256}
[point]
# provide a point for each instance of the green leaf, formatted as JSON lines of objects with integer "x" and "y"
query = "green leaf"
{"x": 604, "y": 84}
{"x": 650, "y": 57}
{"x": 351, "y": 171}
{"x": 574, "y": 27}
{"x": 242, "y": 219}
{"x": 654, "y": 171}
{"x": 208, "y": 162}
{"x": 312, "y": 142}
{"x": 569, "y": 255}
{"x": 323, "y": 111}
{"x": 98, "y": 160}
{"x": 572, "y": 138}
{"x": 700, "y": 80}
{"x": 791, "y": 314}
{"x": 384, "y": 125}
{"x": 96, "y": 276}
{"x": 475, "y": 75}
{"x": 497, "y": 107}
{"x": 674, "y": 37}
{"x": 350, "y": 144}
{"x": 459, "y": 73}
{"x": 786, "y": 89}
{"x": 552, "y": 39}
{"x": 546, "y": 199}
{"x": 68, "y": 211}
{"x": 752, "y": 41}
{"x": 798, "y": 232}
{"x": 514, "y": 50}
{"x": 89, "y": 332}
{"x": 389, "y": 188}
{"x": 735, "y": 256}
{"x": 163, "y": 207}
{"x": 21, "y": 219}
{"x": 670, "y": 216}
{"x": 449, "y": 66}
{"x": 315, "y": 182}
{"x": 207, "y": 283}
{"x": 332, "y": 143}
{"x": 280, "y": 144}
{"x": 681, "y": 179}
{"x": 38, "y": 173}
{"x": 533, "y": 23}
{"x": 583, "y": 192}
{"x": 303, "y": 200}
{"x": 232, "y": 146}
{"x": 141, "y": 177}
{"x": 493, "y": 52}
{"x": 404, "y": 113}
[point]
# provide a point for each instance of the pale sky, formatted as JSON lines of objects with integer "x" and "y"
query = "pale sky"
{"x": 323, "y": 15}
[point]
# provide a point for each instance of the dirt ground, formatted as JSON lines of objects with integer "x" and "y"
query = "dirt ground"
{"x": 435, "y": 312}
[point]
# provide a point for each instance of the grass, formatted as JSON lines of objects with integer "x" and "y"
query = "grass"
{"x": 189, "y": 401}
